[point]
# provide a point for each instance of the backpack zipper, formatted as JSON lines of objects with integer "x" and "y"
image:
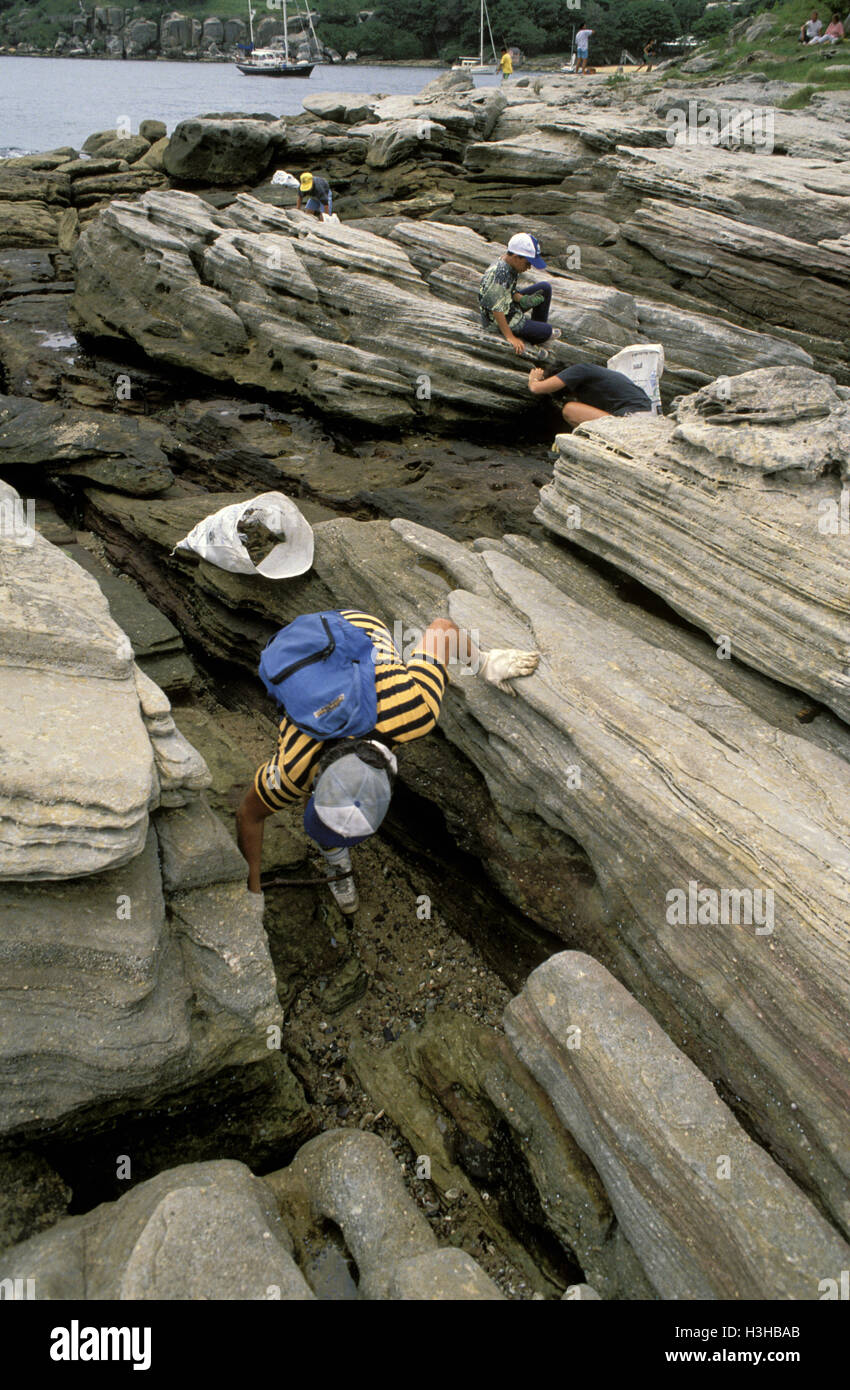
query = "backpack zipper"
{"x": 307, "y": 660}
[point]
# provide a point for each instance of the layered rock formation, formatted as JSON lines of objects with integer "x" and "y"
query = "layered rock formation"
{"x": 375, "y": 329}
{"x": 707, "y": 1212}
{"x": 133, "y": 958}
{"x": 731, "y": 510}
{"x": 693, "y": 776}
{"x": 213, "y": 1231}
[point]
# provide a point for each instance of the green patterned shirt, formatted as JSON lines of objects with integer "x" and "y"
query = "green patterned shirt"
{"x": 496, "y": 296}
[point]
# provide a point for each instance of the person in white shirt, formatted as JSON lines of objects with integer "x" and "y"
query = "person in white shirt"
{"x": 582, "y": 46}
{"x": 811, "y": 29}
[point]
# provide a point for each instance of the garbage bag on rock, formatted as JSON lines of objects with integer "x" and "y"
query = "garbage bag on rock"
{"x": 220, "y": 538}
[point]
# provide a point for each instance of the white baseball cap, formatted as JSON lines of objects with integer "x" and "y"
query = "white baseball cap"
{"x": 523, "y": 244}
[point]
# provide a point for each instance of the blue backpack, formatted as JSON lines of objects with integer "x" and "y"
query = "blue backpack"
{"x": 321, "y": 669}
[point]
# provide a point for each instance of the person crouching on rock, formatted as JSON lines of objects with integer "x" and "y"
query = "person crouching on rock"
{"x": 505, "y": 308}
{"x": 592, "y": 391}
{"x": 320, "y": 199}
{"x": 348, "y": 779}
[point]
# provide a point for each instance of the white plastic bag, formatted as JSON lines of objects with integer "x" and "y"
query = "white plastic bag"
{"x": 642, "y": 363}
{"x": 217, "y": 539}
{"x": 330, "y": 217}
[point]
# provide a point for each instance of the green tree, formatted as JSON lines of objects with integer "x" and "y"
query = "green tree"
{"x": 715, "y": 21}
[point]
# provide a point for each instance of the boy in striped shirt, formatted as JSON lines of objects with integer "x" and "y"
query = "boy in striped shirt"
{"x": 350, "y": 797}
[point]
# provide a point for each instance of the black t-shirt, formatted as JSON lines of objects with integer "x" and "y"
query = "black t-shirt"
{"x": 604, "y": 389}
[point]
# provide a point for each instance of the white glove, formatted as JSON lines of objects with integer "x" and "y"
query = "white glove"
{"x": 501, "y": 666}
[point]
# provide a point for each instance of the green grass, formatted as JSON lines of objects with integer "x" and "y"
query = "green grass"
{"x": 798, "y": 100}
{"x": 779, "y": 55}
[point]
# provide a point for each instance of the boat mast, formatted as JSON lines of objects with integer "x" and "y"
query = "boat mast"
{"x": 285, "y": 34}
{"x": 251, "y": 25}
{"x": 481, "y": 38}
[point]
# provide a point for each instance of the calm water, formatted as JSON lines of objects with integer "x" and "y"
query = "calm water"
{"x": 48, "y": 102}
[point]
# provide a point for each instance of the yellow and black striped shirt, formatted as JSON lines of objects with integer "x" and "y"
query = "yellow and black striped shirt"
{"x": 409, "y": 701}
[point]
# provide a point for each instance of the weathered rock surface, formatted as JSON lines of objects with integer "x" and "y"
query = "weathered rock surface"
{"x": 695, "y": 774}
{"x": 201, "y": 1231}
{"x": 458, "y": 1094}
{"x": 124, "y": 453}
{"x": 104, "y": 996}
{"x": 381, "y": 330}
{"x": 223, "y": 151}
{"x": 32, "y": 1197}
{"x": 731, "y": 510}
{"x": 351, "y": 1179}
{"x": 709, "y": 1214}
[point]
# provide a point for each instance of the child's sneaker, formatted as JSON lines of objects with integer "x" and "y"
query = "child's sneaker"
{"x": 557, "y": 332}
{"x": 338, "y": 861}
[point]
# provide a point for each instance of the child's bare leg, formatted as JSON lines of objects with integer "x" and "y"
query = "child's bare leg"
{"x": 575, "y": 413}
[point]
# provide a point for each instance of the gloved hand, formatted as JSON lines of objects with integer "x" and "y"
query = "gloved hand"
{"x": 505, "y": 664}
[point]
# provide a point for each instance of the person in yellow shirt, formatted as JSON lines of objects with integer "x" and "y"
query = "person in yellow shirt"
{"x": 506, "y": 64}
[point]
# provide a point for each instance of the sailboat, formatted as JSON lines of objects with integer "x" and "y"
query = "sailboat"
{"x": 270, "y": 62}
{"x": 477, "y": 65}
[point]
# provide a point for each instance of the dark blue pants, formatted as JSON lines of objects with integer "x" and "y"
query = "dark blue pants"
{"x": 536, "y": 329}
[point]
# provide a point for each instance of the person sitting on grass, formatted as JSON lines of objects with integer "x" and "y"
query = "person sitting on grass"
{"x": 834, "y": 31}
{"x": 504, "y": 307}
{"x": 811, "y": 29}
{"x": 592, "y": 392}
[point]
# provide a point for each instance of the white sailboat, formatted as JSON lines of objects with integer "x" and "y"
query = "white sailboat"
{"x": 477, "y": 65}
{"x": 270, "y": 62}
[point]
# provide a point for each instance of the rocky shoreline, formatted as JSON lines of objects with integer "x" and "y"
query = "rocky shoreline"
{"x": 517, "y": 1073}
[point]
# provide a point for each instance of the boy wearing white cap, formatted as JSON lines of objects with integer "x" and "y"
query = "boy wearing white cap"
{"x": 349, "y": 781}
{"x": 505, "y": 308}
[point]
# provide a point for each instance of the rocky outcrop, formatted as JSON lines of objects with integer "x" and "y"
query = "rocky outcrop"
{"x": 695, "y": 776}
{"x": 351, "y": 1180}
{"x": 201, "y": 1231}
{"x": 380, "y": 330}
{"x": 134, "y": 961}
{"x": 223, "y": 150}
{"x": 124, "y": 453}
{"x": 214, "y": 1231}
{"x": 731, "y": 510}
{"x": 708, "y": 1213}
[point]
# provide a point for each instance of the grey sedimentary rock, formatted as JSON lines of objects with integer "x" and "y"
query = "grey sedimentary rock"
{"x": 351, "y": 108}
{"x": 156, "y": 643}
{"x": 123, "y": 453}
{"x": 720, "y": 253}
{"x": 709, "y": 1214}
{"x": 458, "y": 1093}
{"x": 382, "y": 330}
{"x": 351, "y": 1178}
{"x": 140, "y": 36}
{"x": 103, "y": 996}
{"x": 692, "y": 775}
{"x": 731, "y": 510}
{"x": 201, "y": 1231}
{"x": 223, "y": 151}
{"x": 31, "y": 202}
{"x": 440, "y": 1276}
{"x": 175, "y": 31}
{"x": 152, "y": 130}
{"x": 32, "y": 1197}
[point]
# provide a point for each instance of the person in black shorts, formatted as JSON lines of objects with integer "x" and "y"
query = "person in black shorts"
{"x": 592, "y": 392}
